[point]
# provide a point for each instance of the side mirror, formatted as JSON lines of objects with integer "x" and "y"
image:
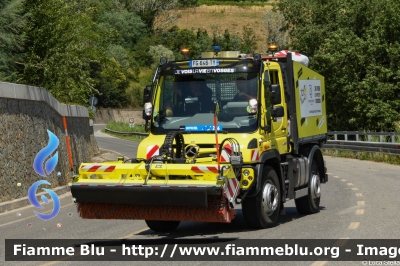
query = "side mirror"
{"x": 147, "y": 94}
{"x": 276, "y": 94}
{"x": 278, "y": 111}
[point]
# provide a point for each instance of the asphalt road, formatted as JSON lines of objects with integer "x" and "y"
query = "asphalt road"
{"x": 360, "y": 201}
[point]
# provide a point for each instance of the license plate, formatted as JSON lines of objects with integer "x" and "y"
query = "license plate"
{"x": 204, "y": 63}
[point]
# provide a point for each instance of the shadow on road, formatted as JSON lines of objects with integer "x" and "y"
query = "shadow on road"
{"x": 195, "y": 229}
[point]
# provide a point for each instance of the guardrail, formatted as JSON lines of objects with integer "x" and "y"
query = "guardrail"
{"x": 341, "y": 140}
{"x": 138, "y": 134}
{"x": 364, "y": 141}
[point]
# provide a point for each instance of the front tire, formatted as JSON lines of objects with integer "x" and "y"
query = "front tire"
{"x": 262, "y": 210}
{"x": 310, "y": 204}
{"x": 162, "y": 226}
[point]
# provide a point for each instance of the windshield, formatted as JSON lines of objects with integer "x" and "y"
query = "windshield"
{"x": 188, "y": 103}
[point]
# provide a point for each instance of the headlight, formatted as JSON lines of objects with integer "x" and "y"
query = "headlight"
{"x": 148, "y": 109}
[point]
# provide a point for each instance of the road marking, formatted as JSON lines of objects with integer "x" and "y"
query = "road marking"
{"x": 358, "y": 195}
{"x": 134, "y": 233}
{"x": 360, "y": 203}
{"x": 19, "y": 220}
{"x": 328, "y": 173}
{"x": 343, "y": 180}
{"x": 359, "y": 212}
{"x": 67, "y": 257}
{"x": 341, "y": 242}
{"x": 335, "y": 176}
{"x": 319, "y": 263}
{"x": 354, "y": 225}
{"x": 61, "y": 259}
{"x": 354, "y": 188}
{"x": 349, "y": 184}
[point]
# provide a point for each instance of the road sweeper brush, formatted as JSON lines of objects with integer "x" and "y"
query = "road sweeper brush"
{"x": 172, "y": 186}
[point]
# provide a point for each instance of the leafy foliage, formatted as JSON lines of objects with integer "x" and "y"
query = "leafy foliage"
{"x": 275, "y": 22}
{"x": 160, "y": 51}
{"x": 11, "y": 39}
{"x": 62, "y": 41}
{"x": 249, "y": 40}
{"x": 355, "y": 45}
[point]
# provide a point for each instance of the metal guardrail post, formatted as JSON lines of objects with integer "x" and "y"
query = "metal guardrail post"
{"x": 357, "y": 137}
{"x": 345, "y": 136}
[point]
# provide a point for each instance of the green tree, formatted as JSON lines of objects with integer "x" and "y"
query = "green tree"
{"x": 159, "y": 51}
{"x": 249, "y": 43}
{"x": 62, "y": 42}
{"x": 274, "y": 21}
{"x": 149, "y": 10}
{"x": 126, "y": 28}
{"x": 188, "y": 3}
{"x": 11, "y": 39}
{"x": 355, "y": 45}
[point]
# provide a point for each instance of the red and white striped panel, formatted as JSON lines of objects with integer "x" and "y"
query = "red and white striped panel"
{"x": 98, "y": 168}
{"x": 226, "y": 153}
{"x": 205, "y": 169}
{"x": 152, "y": 150}
{"x": 302, "y": 59}
{"x": 255, "y": 155}
{"x": 231, "y": 189}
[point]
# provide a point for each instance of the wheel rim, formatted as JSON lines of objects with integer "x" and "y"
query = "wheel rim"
{"x": 315, "y": 187}
{"x": 270, "y": 198}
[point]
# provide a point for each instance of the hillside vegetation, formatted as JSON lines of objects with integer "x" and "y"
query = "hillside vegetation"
{"x": 110, "y": 48}
{"x": 218, "y": 18}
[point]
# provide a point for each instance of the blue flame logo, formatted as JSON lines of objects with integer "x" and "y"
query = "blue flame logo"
{"x": 32, "y": 198}
{"x": 45, "y": 152}
{"x": 38, "y": 167}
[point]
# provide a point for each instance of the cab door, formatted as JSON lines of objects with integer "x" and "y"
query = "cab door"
{"x": 276, "y": 109}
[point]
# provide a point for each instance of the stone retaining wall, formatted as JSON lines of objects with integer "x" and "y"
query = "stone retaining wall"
{"x": 26, "y": 113}
{"x": 104, "y": 115}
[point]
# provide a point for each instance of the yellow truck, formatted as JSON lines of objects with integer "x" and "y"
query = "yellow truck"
{"x": 225, "y": 131}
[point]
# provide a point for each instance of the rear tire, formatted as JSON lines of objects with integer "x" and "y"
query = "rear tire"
{"x": 310, "y": 204}
{"x": 262, "y": 210}
{"x": 162, "y": 226}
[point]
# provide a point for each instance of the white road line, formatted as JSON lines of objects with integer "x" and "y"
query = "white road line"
{"x": 134, "y": 233}
{"x": 319, "y": 263}
{"x": 354, "y": 225}
{"x": 359, "y": 212}
{"x": 19, "y": 220}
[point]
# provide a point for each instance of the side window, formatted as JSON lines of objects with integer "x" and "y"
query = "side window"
{"x": 167, "y": 91}
{"x": 273, "y": 77}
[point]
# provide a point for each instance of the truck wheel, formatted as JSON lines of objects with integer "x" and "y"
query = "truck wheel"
{"x": 262, "y": 210}
{"x": 162, "y": 226}
{"x": 310, "y": 204}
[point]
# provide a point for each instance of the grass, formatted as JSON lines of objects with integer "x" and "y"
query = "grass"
{"x": 124, "y": 127}
{"x": 225, "y": 17}
{"x": 368, "y": 156}
{"x": 131, "y": 138}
